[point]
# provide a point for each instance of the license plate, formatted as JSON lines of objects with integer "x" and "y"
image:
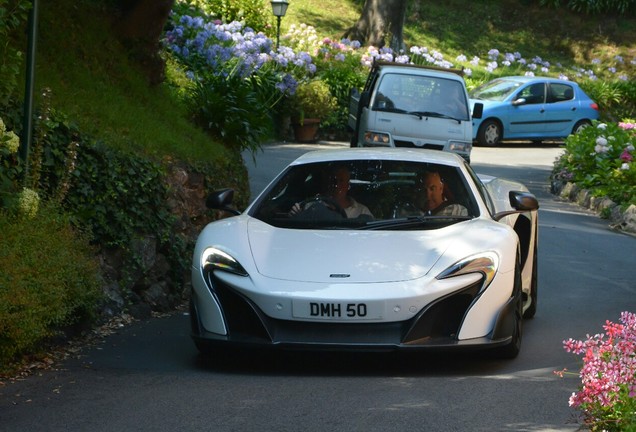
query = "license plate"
{"x": 342, "y": 311}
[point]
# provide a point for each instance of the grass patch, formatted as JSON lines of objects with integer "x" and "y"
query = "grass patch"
{"x": 96, "y": 84}
{"x": 456, "y": 27}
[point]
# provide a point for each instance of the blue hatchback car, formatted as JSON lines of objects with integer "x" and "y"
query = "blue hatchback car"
{"x": 530, "y": 108}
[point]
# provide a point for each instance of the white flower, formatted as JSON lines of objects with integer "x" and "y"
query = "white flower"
{"x": 625, "y": 166}
{"x": 602, "y": 126}
{"x": 28, "y": 203}
{"x": 11, "y": 141}
{"x": 629, "y": 148}
{"x": 601, "y": 141}
{"x": 600, "y": 149}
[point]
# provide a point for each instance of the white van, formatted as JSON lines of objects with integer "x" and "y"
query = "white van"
{"x": 405, "y": 105}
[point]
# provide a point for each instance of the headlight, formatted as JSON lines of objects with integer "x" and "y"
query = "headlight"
{"x": 215, "y": 259}
{"x": 485, "y": 264}
{"x": 458, "y": 146}
{"x": 377, "y": 138}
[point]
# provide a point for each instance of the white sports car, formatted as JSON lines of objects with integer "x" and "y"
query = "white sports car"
{"x": 342, "y": 251}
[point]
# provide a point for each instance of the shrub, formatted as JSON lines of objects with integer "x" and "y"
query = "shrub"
{"x": 312, "y": 99}
{"x": 48, "y": 280}
{"x": 237, "y": 80}
{"x": 10, "y": 169}
{"x": 601, "y": 159}
{"x": 607, "y": 395}
{"x": 12, "y": 18}
{"x": 617, "y": 99}
{"x": 251, "y": 13}
{"x": 338, "y": 64}
{"x": 595, "y": 7}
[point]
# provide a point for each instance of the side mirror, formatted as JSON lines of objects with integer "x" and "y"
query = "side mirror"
{"x": 520, "y": 101}
{"x": 222, "y": 200}
{"x": 478, "y": 110}
{"x": 521, "y": 202}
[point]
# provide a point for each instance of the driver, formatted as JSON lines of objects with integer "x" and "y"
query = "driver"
{"x": 336, "y": 188}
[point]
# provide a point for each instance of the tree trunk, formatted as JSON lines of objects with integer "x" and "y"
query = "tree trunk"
{"x": 379, "y": 20}
{"x": 141, "y": 26}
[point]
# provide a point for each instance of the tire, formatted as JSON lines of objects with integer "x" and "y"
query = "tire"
{"x": 534, "y": 288}
{"x": 194, "y": 318}
{"x": 196, "y": 329}
{"x": 582, "y": 124}
{"x": 354, "y": 140}
{"x": 490, "y": 134}
{"x": 511, "y": 350}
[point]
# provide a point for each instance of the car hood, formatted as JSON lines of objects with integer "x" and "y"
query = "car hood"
{"x": 348, "y": 256}
{"x": 487, "y": 103}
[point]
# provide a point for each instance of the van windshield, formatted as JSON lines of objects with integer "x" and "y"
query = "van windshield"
{"x": 424, "y": 95}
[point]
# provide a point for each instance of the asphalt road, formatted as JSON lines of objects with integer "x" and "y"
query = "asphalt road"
{"x": 148, "y": 376}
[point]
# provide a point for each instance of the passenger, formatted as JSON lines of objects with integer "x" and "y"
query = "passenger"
{"x": 433, "y": 198}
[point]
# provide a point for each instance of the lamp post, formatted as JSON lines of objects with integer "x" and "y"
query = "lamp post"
{"x": 279, "y": 8}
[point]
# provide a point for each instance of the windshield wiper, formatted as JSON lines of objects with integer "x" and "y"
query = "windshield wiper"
{"x": 434, "y": 114}
{"x": 411, "y": 221}
{"x": 392, "y": 110}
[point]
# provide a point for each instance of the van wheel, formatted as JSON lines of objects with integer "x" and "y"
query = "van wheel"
{"x": 490, "y": 133}
{"x": 354, "y": 141}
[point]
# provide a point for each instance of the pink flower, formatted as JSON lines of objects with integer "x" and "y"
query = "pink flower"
{"x": 608, "y": 375}
{"x": 626, "y": 156}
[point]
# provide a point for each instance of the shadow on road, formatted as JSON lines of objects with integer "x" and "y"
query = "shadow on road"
{"x": 328, "y": 363}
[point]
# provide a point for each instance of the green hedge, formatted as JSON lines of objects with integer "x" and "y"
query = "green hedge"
{"x": 49, "y": 280}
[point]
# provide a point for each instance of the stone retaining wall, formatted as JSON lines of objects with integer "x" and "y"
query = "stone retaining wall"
{"x": 621, "y": 220}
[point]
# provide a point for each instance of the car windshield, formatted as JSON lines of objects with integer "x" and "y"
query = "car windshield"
{"x": 366, "y": 194}
{"x": 496, "y": 90}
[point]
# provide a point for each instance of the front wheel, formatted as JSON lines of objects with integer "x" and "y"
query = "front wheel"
{"x": 490, "y": 133}
{"x": 534, "y": 287}
{"x": 511, "y": 350}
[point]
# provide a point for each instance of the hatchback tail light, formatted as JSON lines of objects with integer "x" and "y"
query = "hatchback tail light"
{"x": 594, "y": 105}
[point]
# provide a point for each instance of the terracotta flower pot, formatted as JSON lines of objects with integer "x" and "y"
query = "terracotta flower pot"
{"x": 308, "y": 131}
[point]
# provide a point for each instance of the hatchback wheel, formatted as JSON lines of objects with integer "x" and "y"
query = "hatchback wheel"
{"x": 490, "y": 134}
{"x": 580, "y": 126}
